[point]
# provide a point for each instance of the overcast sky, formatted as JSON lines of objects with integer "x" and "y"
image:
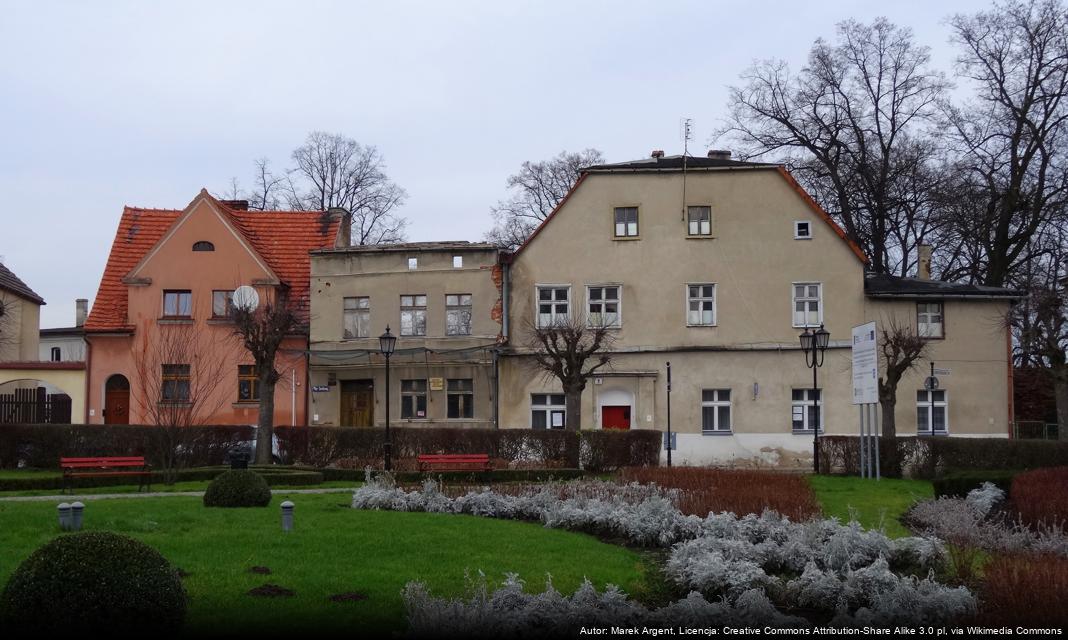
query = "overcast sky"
{"x": 143, "y": 103}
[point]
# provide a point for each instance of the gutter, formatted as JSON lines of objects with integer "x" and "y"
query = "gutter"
{"x": 942, "y": 296}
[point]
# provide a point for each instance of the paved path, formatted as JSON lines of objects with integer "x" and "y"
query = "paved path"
{"x": 152, "y": 494}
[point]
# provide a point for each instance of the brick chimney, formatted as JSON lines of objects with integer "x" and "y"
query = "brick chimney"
{"x": 923, "y": 263}
{"x": 81, "y": 310}
{"x": 657, "y": 153}
{"x": 719, "y": 154}
{"x": 344, "y": 232}
{"x": 236, "y": 205}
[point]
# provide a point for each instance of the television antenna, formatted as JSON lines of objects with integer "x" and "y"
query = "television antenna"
{"x": 246, "y": 298}
{"x": 686, "y": 130}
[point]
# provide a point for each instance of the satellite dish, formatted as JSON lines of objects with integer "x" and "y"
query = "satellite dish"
{"x": 246, "y": 298}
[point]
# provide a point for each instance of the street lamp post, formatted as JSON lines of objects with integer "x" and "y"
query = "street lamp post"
{"x": 814, "y": 344}
{"x": 387, "y": 342}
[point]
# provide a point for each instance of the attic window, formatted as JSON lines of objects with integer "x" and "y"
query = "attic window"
{"x": 457, "y": 262}
{"x": 802, "y": 230}
{"x": 413, "y": 263}
{"x": 203, "y": 245}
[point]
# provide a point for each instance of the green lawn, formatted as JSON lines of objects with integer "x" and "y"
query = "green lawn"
{"x": 188, "y": 485}
{"x": 874, "y": 503}
{"x": 335, "y": 549}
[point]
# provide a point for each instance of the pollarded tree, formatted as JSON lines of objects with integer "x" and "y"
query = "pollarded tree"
{"x": 571, "y": 350}
{"x": 900, "y": 350}
{"x": 262, "y": 329}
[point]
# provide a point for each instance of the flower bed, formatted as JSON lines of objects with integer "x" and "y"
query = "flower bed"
{"x": 843, "y": 571}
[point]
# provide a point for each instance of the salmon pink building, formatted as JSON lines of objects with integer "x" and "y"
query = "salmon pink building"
{"x": 160, "y": 338}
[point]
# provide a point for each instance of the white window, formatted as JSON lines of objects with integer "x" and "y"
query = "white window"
{"x": 413, "y": 399}
{"x": 802, "y": 230}
{"x": 457, "y": 262}
{"x": 603, "y": 305}
{"x": 413, "y": 263}
{"x": 701, "y": 305}
{"x": 547, "y": 410}
{"x": 805, "y": 410}
{"x": 458, "y": 314}
{"x": 626, "y": 219}
{"x": 807, "y": 298}
{"x": 177, "y": 304}
{"x": 554, "y": 305}
{"x": 715, "y": 411}
{"x": 699, "y": 220}
{"x": 413, "y": 315}
{"x": 929, "y": 319}
{"x": 357, "y": 317}
{"x": 932, "y": 412}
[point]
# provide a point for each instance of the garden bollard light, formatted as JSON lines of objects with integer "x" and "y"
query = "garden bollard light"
{"x": 64, "y": 516}
{"x": 287, "y": 516}
{"x": 76, "y": 509}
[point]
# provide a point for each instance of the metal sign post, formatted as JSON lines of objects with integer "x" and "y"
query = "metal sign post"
{"x": 866, "y": 396}
{"x": 669, "y": 440}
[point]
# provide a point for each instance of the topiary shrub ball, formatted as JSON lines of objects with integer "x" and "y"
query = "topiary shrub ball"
{"x": 238, "y": 488}
{"x": 94, "y": 581}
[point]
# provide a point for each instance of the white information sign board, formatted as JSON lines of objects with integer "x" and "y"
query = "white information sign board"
{"x": 865, "y": 365}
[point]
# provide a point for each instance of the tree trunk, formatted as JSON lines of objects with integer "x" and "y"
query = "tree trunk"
{"x": 1060, "y": 394}
{"x": 573, "y": 404}
{"x": 265, "y": 423}
{"x": 888, "y": 453}
{"x": 889, "y": 420}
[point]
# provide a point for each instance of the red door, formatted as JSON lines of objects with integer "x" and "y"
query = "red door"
{"x": 117, "y": 400}
{"x": 615, "y": 417}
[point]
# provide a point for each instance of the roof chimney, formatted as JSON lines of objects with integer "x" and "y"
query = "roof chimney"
{"x": 344, "y": 230}
{"x": 81, "y": 310}
{"x": 719, "y": 154}
{"x": 923, "y": 263}
{"x": 236, "y": 205}
{"x": 657, "y": 153}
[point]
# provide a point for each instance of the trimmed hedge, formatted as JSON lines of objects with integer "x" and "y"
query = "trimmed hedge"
{"x": 595, "y": 451}
{"x": 497, "y": 475}
{"x": 957, "y": 485}
{"x": 934, "y": 457}
{"x": 238, "y": 488}
{"x": 275, "y": 476}
{"x": 94, "y": 582}
{"x": 41, "y": 445}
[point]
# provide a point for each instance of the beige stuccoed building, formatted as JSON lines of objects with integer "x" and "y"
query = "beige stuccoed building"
{"x": 440, "y": 299}
{"x": 717, "y": 270}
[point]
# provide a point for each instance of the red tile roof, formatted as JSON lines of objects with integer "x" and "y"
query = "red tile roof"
{"x": 281, "y": 238}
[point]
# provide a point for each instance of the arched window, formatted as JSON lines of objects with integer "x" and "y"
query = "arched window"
{"x": 203, "y": 245}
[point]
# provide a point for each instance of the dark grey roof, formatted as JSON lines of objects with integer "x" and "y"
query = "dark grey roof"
{"x": 445, "y": 245}
{"x": 63, "y": 331}
{"x": 10, "y": 282}
{"x": 887, "y": 286}
{"x": 674, "y": 163}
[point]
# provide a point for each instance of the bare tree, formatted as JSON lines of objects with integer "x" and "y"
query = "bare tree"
{"x": 570, "y": 350}
{"x": 7, "y": 337}
{"x": 538, "y": 188}
{"x": 262, "y": 330}
{"x": 1013, "y": 136}
{"x": 334, "y": 171}
{"x": 181, "y": 370}
{"x": 331, "y": 170}
{"x": 900, "y": 349}
{"x": 854, "y": 125}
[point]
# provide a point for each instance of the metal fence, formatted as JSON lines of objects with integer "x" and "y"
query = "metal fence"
{"x": 1035, "y": 430}
{"x": 34, "y": 406}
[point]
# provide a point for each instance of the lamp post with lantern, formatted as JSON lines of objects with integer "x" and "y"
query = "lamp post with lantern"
{"x": 814, "y": 344}
{"x": 387, "y": 342}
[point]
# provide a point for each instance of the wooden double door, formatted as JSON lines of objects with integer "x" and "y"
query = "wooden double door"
{"x": 357, "y": 403}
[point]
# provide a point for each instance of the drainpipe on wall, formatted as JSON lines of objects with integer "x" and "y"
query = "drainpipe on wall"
{"x": 293, "y": 398}
{"x": 506, "y": 278}
{"x": 88, "y": 376}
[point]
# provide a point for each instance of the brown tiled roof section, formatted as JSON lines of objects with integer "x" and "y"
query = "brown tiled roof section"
{"x": 11, "y": 282}
{"x": 282, "y": 238}
{"x": 139, "y": 230}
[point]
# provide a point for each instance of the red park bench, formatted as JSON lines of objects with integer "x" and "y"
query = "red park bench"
{"x": 102, "y": 466}
{"x": 455, "y": 462}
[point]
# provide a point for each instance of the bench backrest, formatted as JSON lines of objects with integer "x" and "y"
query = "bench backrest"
{"x": 102, "y": 463}
{"x": 464, "y": 457}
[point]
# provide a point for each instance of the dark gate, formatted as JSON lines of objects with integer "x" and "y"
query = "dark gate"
{"x": 34, "y": 406}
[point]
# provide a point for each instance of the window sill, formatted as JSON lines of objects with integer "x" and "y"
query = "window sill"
{"x": 175, "y": 320}
{"x": 717, "y": 433}
{"x": 930, "y": 434}
{"x": 245, "y": 404}
{"x": 701, "y": 326}
{"x": 802, "y": 237}
{"x": 626, "y": 238}
{"x": 700, "y": 237}
{"x": 805, "y": 432}
{"x": 173, "y": 403}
